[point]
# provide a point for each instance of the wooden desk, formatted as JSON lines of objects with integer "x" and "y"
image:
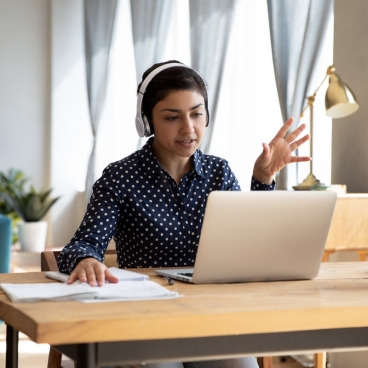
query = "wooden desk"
{"x": 210, "y": 321}
{"x": 349, "y": 226}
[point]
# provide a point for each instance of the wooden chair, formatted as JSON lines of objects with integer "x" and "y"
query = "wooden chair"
{"x": 48, "y": 263}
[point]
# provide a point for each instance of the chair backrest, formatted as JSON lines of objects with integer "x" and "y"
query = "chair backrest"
{"x": 48, "y": 260}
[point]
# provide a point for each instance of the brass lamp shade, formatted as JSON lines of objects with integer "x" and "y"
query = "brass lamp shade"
{"x": 340, "y": 100}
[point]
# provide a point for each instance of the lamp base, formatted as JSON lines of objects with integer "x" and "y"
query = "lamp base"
{"x": 309, "y": 183}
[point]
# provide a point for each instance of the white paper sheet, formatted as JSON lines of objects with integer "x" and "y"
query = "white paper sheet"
{"x": 121, "y": 274}
{"x": 127, "y": 290}
{"x": 49, "y": 291}
{"x": 132, "y": 290}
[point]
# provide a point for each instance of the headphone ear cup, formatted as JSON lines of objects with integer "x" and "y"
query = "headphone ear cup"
{"x": 139, "y": 126}
{"x": 147, "y": 126}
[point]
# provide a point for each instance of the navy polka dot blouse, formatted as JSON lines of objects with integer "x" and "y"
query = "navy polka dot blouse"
{"x": 154, "y": 221}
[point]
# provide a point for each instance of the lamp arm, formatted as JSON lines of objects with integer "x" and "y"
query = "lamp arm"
{"x": 311, "y": 99}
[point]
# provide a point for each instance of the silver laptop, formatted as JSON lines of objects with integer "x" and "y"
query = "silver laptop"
{"x": 260, "y": 236}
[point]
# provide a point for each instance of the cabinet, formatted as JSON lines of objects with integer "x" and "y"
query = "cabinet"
{"x": 349, "y": 226}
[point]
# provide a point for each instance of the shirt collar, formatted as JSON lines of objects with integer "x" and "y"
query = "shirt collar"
{"x": 198, "y": 162}
{"x": 152, "y": 167}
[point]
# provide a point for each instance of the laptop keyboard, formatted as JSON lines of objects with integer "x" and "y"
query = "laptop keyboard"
{"x": 188, "y": 274}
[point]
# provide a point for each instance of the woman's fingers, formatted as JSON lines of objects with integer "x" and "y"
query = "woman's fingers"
{"x": 89, "y": 270}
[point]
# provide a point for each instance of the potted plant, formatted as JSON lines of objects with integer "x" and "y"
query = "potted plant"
{"x": 31, "y": 206}
{"x": 13, "y": 180}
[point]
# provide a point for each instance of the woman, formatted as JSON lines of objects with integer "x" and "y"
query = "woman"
{"x": 153, "y": 201}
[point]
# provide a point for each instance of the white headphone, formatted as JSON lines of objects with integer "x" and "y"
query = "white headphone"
{"x": 141, "y": 122}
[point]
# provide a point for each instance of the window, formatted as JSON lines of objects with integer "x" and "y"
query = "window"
{"x": 248, "y": 112}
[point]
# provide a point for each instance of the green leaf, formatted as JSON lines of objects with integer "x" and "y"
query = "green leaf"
{"x": 31, "y": 205}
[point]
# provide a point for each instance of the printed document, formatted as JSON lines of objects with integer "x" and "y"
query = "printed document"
{"x": 121, "y": 291}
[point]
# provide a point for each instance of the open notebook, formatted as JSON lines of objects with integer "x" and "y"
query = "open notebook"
{"x": 131, "y": 286}
{"x": 260, "y": 236}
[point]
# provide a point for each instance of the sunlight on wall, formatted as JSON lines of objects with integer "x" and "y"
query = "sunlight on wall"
{"x": 71, "y": 132}
{"x": 71, "y": 136}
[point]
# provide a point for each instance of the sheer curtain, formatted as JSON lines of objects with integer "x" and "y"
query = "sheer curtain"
{"x": 248, "y": 111}
{"x": 210, "y": 22}
{"x": 298, "y": 30}
{"x": 99, "y": 19}
{"x": 247, "y": 86}
{"x": 150, "y": 24}
{"x": 117, "y": 134}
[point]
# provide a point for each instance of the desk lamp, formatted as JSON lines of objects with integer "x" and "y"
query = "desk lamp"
{"x": 340, "y": 102}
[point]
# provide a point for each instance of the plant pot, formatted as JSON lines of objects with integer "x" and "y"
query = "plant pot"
{"x": 5, "y": 243}
{"x": 32, "y": 236}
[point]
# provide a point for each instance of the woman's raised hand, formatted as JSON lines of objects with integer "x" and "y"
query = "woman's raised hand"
{"x": 278, "y": 153}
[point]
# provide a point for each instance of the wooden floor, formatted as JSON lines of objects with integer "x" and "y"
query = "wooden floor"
{"x": 31, "y": 355}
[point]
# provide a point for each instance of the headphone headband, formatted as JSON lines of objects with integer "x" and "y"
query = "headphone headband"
{"x": 156, "y": 71}
{"x": 141, "y": 123}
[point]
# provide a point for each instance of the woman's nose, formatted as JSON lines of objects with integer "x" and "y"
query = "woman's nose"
{"x": 187, "y": 125}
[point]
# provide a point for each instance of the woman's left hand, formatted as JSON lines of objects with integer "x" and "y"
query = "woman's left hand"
{"x": 278, "y": 153}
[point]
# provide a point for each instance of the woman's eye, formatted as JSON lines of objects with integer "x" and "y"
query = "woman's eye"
{"x": 198, "y": 114}
{"x": 171, "y": 118}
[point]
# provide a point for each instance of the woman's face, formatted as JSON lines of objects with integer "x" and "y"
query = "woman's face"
{"x": 179, "y": 122}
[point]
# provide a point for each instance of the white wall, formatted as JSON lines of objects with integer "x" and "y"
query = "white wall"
{"x": 25, "y": 88}
{"x": 44, "y": 126}
{"x": 350, "y": 134}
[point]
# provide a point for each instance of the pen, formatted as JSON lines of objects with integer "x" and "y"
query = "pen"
{"x": 169, "y": 280}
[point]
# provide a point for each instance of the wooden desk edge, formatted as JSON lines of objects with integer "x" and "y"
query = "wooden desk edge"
{"x": 187, "y": 323}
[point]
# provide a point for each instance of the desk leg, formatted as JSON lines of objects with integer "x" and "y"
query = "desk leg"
{"x": 12, "y": 338}
{"x": 86, "y": 356}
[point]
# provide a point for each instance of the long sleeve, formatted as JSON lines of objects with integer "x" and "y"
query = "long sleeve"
{"x": 98, "y": 225}
{"x": 257, "y": 185}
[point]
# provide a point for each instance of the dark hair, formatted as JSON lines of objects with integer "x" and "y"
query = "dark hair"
{"x": 168, "y": 81}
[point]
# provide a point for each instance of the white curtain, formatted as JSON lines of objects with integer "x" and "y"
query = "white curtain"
{"x": 150, "y": 25}
{"x": 210, "y": 23}
{"x": 99, "y": 16}
{"x": 297, "y": 30}
{"x": 248, "y": 111}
